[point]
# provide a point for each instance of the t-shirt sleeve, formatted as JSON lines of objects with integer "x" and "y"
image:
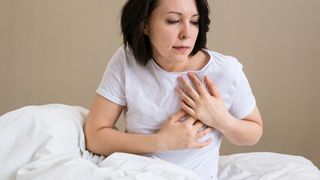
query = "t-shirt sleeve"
{"x": 112, "y": 83}
{"x": 243, "y": 101}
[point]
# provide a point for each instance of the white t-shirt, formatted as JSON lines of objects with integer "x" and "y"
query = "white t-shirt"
{"x": 149, "y": 96}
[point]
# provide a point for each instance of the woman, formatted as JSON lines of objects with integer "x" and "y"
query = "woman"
{"x": 179, "y": 99}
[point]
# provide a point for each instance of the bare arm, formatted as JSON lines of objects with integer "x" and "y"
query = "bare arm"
{"x": 247, "y": 131}
{"x": 101, "y": 138}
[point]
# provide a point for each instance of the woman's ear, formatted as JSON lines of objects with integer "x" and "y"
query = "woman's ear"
{"x": 145, "y": 28}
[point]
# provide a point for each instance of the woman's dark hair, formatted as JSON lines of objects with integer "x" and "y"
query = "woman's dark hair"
{"x": 135, "y": 14}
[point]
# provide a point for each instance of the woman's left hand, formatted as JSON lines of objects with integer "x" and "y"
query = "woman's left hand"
{"x": 202, "y": 104}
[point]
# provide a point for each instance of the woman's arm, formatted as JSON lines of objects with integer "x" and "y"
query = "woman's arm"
{"x": 101, "y": 138}
{"x": 247, "y": 131}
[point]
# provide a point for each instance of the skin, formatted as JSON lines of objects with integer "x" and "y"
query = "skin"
{"x": 172, "y": 29}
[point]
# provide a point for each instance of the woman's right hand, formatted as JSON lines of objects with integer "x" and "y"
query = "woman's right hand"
{"x": 182, "y": 134}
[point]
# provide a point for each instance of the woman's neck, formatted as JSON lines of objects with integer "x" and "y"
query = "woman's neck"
{"x": 192, "y": 63}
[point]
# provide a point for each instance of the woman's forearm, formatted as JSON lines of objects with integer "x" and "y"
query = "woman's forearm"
{"x": 242, "y": 132}
{"x": 107, "y": 140}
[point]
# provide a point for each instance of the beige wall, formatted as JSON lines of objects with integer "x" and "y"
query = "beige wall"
{"x": 55, "y": 52}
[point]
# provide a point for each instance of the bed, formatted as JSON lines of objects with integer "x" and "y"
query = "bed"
{"x": 47, "y": 142}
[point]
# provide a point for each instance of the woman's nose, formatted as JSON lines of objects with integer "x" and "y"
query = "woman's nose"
{"x": 185, "y": 31}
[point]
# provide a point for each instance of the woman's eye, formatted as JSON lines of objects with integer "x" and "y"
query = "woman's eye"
{"x": 195, "y": 22}
{"x": 172, "y": 21}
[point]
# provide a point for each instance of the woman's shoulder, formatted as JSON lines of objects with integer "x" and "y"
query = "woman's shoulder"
{"x": 224, "y": 61}
{"x": 224, "y": 66}
{"x": 122, "y": 56}
{"x": 123, "y": 52}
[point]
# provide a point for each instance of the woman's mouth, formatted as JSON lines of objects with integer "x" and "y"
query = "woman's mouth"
{"x": 182, "y": 49}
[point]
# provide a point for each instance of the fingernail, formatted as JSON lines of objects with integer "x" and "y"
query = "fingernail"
{"x": 178, "y": 89}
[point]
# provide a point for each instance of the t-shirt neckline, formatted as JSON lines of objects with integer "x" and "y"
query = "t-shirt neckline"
{"x": 161, "y": 70}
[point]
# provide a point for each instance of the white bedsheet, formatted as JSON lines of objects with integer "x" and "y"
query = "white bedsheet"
{"x": 47, "y": 142}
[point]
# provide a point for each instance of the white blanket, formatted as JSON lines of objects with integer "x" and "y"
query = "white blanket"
{"x": 47, "y": 142}
{"x": 266, "y": 166}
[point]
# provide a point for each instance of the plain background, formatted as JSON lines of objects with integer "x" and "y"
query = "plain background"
{"x": 55, "y": 51}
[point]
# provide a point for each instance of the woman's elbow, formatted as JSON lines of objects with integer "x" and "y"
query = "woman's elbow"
{"x": 94, "y": 139}
{"x": 89, "y": 135}
{"x": 256, "y": 138}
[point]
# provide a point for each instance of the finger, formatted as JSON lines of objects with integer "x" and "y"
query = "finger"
{"x": 198, "y": 125}
{"x": 187, "y": 109}
{"x": 189, "y": 121}
{"x": 188, "y": 89}
{"x": 197, "y": 83}
{"x": 204, "y": 144}
{"x": 212, "y": 87}
{"x": 204, "y": 132}
{"x": 186, "y": 98}
{"x": 178, "y": 115}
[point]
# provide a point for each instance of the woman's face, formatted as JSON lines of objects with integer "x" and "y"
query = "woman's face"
{"x": 173, "y": 29}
